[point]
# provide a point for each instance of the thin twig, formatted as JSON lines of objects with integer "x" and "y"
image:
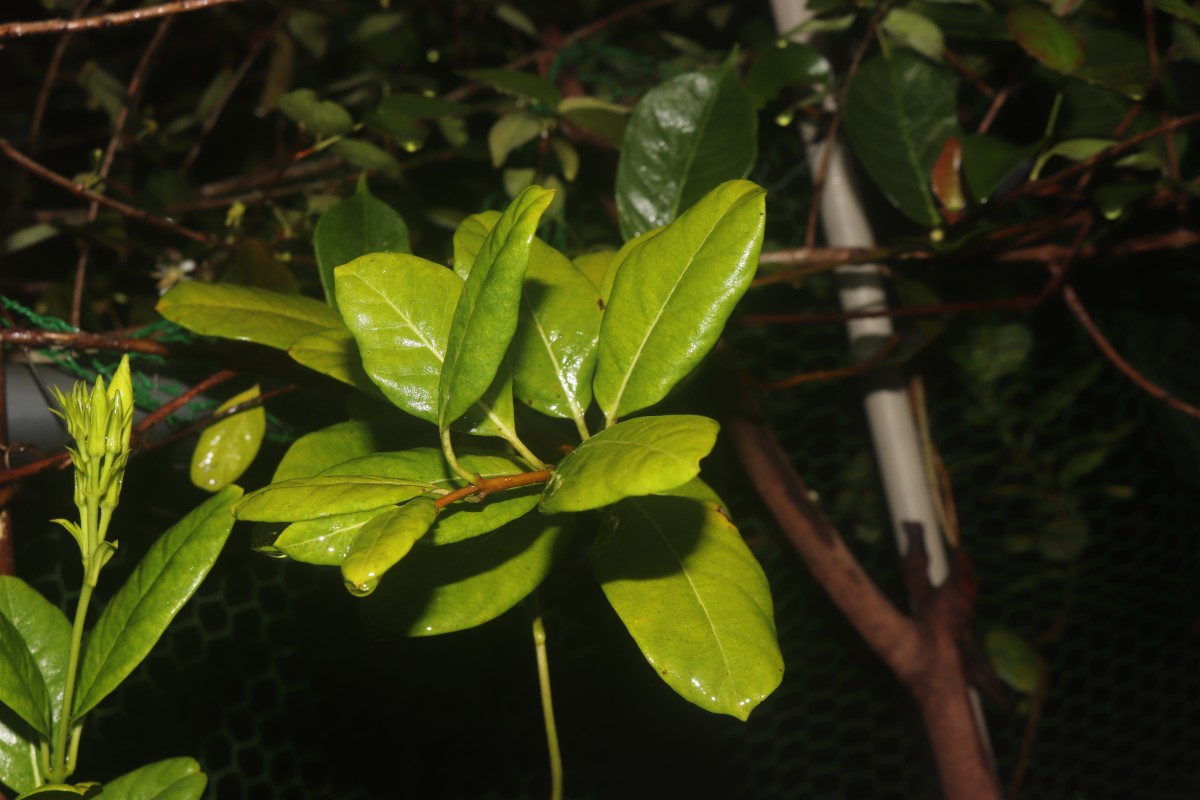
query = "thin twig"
{"x": 79, "y": 190}
{"x": 60, "y": 50}
{"x": 174, "y": 404}
{"x": 15, "y": 30}
{"x": 1145, "y": 384}
{"x": 829, "y": 374}
{"x": 216, "y": 417}
{"x": 79, "y": 340}
{"x": 132, "y": 92}
{"x": 257, "y": 43}
{"x": 997, "y": 103}
{"x": 485, "y": 486}
{"x": 979, "y": 83}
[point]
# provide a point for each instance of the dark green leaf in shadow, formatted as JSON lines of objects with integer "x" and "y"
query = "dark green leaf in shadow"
{"x": 1045, "y": 37}
{"x": 167, "y": 576}
{"x": 362, "y": 153}
{"x": 786, "y": 64}
{"x": 354, "y": 227}
{"x": 322, "y": 117}
{"x": 988, "y": 163}
{"x": 685, "y": 136}
{"x": 334, "y": 352}
{"x": 694, "y": 599}
{"x": 520, "y": 84}
{"x": 899, "y": 113}
{"x": 447, "y": 588}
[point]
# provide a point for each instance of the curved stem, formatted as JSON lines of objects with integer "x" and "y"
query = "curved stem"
{"x": 543, "y": 663}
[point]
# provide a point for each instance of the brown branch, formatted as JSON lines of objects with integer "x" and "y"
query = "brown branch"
{"x": 79, "y": 340}
{"x": 485, "y": 486}
{"x": 979, "y": 83}
{"x": 132, "y": 92}
{"x": 79, "y": 190}
{"x": 829, "y": 374}
{"x": 15, "y": 30}
{"x": 174, "y": 404}
{"x": 60, "y": 50}
{"x": 1145, "y": 384}
{"x": 7, "y": 564}
{"x": 997, "y": 103}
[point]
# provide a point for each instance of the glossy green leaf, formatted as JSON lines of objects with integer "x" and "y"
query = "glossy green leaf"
{"x": 323, "y": 448}
{"x": 334, "y": 352}
{"x": 166, "y": 578}
{"x": 685, "y": 137}
{"x": 632, "y": 458}
{"x": 226, "y": 448}
{"x": 468, "y": 240}
{"x": 246, "y": 314}
{"x": 362, "y": 153}
{"x": 520, "y": 84}
{"x": 65, "y": 791}
{"x": 509, "y": 132}
{"x": 916, "y": 32}
{"x": 1045, "y": 37}
{"x": 354, "y": 227}
{"x": 1014, "y": 659}
{"x": 43, "y": 635}
{"x": 18, "y": 753}
{"x": 172, "y": 779}
{"x": 399, "y": 309}
{"x": 460, "y": 520}
{"x": 594, "y": 265}
{"x": 988, "y": 162}
{"x": 322, "y": 117}
{"x": 694, "y": 599}
{"x": 485, "y": 318}
{"x": 383, "y": 541}
{"x": 899, "y": 113}
{"x": 324, "y": 541}
{"x": 672, "y": 295}
{"x": 453, "y": 587}
{"x": 22, "y": 686}
{"x": 310, "y": 498}
{"x": 786, "y": 64}
{"x": 619, "y": 258}
{"x": 558, "y": 327}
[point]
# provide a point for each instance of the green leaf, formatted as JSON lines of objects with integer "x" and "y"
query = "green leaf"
{"x": 324, "y": 541}
{"x": 246, "y": 314}
{"x": 694, "y": 599}
{"x": 632, "y": 458}
{"x": 166, "y": 578}
{"x": 322, "y": 496}
{"x": 568, "y": 157}
{"x": 685, "y": 137}
{"x": 899, "y": 113}
{"x": 915, "y": 31}
{"x": 783, "y": 65}
{"x": 594, "y": 266}
{"x": 426, "y": 464}
{"x": 672, "y": 294}
{"x": 516, "y": 19}
{"x": 1046, "y": 38}
{"x": 333, "y": 352}
{"x": 399, "y": 309}
{"x": 383, "y": 541}
{"x": 1015, "y": 660}
{"x": 356, "y": 226}
{"x": 418, "y": 105}
{"x": 311, "y": 30}
{"x": 363, "y": 154}
{"x": 1117, "y": 60}
{"x": 485, "y": 318}
{"x": 173, "y": 779}
{"x": 606, "y": 120}
{"x": 558, "y": 327}
{"x": 46, "y": 633}
{"x": 411, "y": 132}
{"x": 65, "y": 791}
{"x": 1179, "y": 9}
{"x": 28, "y": 237}
{"x": 1073, "y": 149}
{"x": 509, "y": 132}
{"x": 315, "y": 451}
{"x": 255, "y": 265}
{"x": 322, "y": 117}
{"x": 18, "y": 753}
{"x": 22, "y": 686}
{"x": 988, "y": 161}
{"x": 990, "y": 352}
{"x": 453, "y": 587}
{"x": 520, "y": 84}
{"x": 226, "y": 448}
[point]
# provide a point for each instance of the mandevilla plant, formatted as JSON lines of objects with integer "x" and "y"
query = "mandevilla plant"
{"x": 52, "y": 674}
{"x": 465, "y": 532}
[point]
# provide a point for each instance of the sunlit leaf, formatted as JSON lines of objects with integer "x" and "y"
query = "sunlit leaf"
{"x": 672, "y": 295}
{"x": 334, "y": 353}
{"x": 632, "y": 458}
{"x": 226, "y": 448}
{"x": 167, "y": 576}
{"x": 252, "y": 315}
{"x": 694, "y": 599}
{"x": 310, "y": 498}
{"x": 383, "y": 541}
{"x": 173, "y": 779}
